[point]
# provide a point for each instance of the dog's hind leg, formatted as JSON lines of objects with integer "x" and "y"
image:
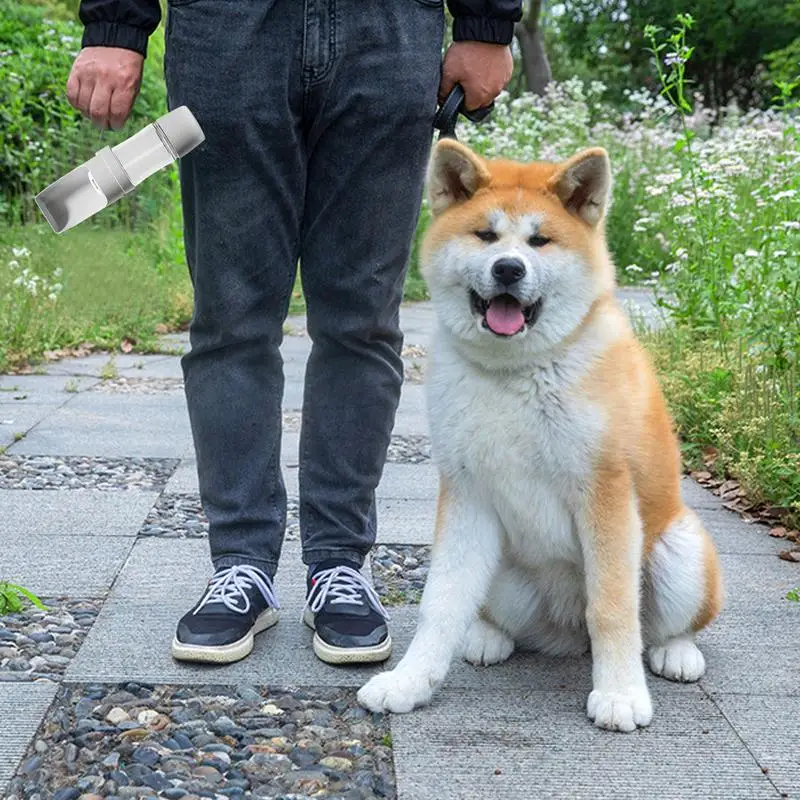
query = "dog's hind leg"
{"x": 683, "y": 593}
{"x": 535, "y": 612}
{"x": 485, "y": 644}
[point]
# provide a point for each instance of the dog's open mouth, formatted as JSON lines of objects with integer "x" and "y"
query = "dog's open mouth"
{"x": 504, "y": 315}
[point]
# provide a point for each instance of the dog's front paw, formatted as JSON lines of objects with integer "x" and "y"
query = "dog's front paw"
{"x": 624, "y": 710}
{"x": 398, "y": 691}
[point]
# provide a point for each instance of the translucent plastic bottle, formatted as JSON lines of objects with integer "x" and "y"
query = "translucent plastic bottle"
{"x": 116, "y": 171}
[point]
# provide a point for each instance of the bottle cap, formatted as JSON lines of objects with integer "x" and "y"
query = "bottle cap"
{"x": 181, "y": 129}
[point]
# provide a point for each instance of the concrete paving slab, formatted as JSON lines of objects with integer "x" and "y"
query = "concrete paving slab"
{"x": 22, "y": 708}
{"x": 753, "y": 651}
{"x": 399, "y": 482}
{"x": 696, "y": 497}
{"x": 757, "y": 583}
{"x": 18, "y": 421}
{"x": 77, "y": 512}
{"x": 184, "y": 479}
{"x": 770, "y": 727}
{"x": 101, "y": 424}
{"x": 747, "y": 648}
{"x": 409, "y": 482}
{"x": 96, "y": 364}
{"x": 40, "y": 389}
{"x": 154, "y": 367}
{"x": 162, "y": 579}
{"x": 160, "y": 582}
{"x": 403, "y": 521}
{"x": 732, "y": 535}
{"x": 476, "y": 744}
{"x": 75, "y": 565}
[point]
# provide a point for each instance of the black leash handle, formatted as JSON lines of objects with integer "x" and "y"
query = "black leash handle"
{"x": 447, "y": 114}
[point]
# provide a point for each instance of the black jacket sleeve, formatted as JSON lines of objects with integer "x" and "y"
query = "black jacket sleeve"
{"x": 119, "y": 23}
{"x": 485, "y": 20}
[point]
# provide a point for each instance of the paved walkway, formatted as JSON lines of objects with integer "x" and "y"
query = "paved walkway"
{"x": 99, "y": 505}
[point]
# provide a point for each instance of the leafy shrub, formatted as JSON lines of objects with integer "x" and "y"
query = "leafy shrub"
{"x": 42, "y": 137}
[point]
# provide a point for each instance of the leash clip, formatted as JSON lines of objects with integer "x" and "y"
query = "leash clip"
{"x": 447, "y": 114}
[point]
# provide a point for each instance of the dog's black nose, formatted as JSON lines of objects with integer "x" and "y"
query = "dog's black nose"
{"x": 508, "y": 270}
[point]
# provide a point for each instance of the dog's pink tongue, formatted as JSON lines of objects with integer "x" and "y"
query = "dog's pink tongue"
{"x": 504, "y": 315}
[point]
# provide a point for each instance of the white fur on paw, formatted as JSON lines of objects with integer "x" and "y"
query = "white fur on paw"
{"x": 677, "y": 660}
{"x": 398, "y": 691}
{"x": 485, "y": 644}
{"x": 620, "y": 711}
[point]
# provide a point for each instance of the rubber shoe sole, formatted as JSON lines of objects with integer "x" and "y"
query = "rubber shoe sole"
{"x": 347, "y": 655}
{"x": 226, "y": 653}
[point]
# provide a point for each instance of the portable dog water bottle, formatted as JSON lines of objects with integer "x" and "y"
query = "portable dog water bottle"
{"x": 115, "y": 171}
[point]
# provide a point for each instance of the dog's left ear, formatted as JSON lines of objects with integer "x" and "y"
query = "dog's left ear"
{"x": 455, "y": 173}
{"x": 583, "y": 184}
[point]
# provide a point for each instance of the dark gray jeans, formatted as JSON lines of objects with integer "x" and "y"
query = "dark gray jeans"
{"x": 318, "y": 118}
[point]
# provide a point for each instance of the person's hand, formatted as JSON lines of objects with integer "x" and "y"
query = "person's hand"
{"x": 103, "y": 84}
{"x": 482, "y": 69}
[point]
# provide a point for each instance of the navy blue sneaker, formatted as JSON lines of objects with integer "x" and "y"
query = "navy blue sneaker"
{"x": 346, "y": 615}
{"x": 238, "y": 603}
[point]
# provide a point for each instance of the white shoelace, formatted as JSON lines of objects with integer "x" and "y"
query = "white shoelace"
{"x": 228, "y": 586}
{"x": 343, "y": 585}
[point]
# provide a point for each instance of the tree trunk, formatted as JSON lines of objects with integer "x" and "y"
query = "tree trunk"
{"x": 531, "y": 44}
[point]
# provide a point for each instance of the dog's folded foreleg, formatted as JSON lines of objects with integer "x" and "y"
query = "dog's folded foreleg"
{"x": 465, "y": 556}
{"x": 611, "y": 537}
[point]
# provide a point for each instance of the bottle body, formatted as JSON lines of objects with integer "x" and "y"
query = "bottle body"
{"x": 115, "y": 171}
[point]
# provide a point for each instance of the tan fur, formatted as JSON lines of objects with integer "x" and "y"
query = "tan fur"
{"x": 442, "y": 503}
{"x": 641, "y": 442}
{"x": 714, "y": 594}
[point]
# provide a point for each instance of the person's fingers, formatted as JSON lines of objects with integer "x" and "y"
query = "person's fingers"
{"x": 447, "y": 82}
{"x": 97, "y": 75}
{"x": 476, "y": 96}
{"x": 73, "y": 89}
{"x": 85, "y": 94}
{"x": 120, "y": 106}
{"x": 100, "y": 105}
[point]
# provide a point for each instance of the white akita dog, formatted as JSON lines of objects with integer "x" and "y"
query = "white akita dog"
{"x": 560, "y": 522}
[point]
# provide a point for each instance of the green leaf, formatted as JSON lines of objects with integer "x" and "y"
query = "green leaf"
{"x": 30, "y": 595}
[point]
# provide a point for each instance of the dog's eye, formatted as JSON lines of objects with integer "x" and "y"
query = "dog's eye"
{"x": 538, "y": 241}
{"x": 487, "y": 235}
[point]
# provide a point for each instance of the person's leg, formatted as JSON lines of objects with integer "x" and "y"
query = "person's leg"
{"x": 372, "y": 75}
{"x": 372, "y": 107}
{"x": 237, "y": 67}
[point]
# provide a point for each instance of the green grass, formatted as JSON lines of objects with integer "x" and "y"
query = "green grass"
{"x": 112, "y": 290}
{"x": 733, "y": 416}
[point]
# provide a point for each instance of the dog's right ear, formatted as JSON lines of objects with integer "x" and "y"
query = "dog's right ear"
{"x": 454, "y": 175}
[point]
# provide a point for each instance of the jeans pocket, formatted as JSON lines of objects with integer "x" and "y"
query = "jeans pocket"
{"x": 429, "y": 3}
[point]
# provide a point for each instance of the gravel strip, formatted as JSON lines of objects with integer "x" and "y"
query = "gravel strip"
{"x": 38, "y": 645}
{"x": 84, "y": 472}
{"x": 138, "y": 386}
{"x": 409, "y": 450}
{"x": 131, "y": 741}
{"x": 181, "y": 516}
{"x": 399, "y": 572}
{"x": 402, "y": 449}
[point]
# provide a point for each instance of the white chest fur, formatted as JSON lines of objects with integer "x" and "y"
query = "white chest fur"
{"x": 523, "y": 441}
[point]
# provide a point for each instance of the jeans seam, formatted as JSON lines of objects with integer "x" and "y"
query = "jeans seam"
{"x": 310, "y": 74}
